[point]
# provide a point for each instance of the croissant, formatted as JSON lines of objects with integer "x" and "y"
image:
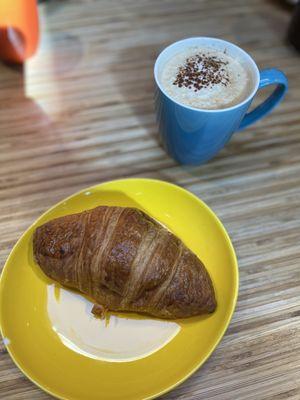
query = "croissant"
{"x": 125, "y": 261}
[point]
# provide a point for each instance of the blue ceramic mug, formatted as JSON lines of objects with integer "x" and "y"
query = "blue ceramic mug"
{"x": 192, "y": 135}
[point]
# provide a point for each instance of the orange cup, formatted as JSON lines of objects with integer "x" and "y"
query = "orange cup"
{"x": 19, "y": 29}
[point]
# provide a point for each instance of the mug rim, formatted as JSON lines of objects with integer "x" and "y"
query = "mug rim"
{"x": 247, "y": 55}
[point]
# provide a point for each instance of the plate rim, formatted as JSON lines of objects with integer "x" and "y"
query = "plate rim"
{"x": 160, "y": 182}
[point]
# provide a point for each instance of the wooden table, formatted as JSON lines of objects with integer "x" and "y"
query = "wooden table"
{"x": 81, "y": 113}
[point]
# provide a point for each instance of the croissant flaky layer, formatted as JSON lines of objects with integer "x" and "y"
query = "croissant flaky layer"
{"x": 125, "y": 261}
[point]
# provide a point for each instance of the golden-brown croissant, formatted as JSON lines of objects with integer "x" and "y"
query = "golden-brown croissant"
{"x": 125, "y": 261}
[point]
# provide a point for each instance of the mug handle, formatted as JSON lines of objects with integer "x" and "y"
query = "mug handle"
{"x": 271, "y": 76}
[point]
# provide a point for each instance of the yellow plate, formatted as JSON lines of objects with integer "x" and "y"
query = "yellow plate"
{"x": 52, "y": 337}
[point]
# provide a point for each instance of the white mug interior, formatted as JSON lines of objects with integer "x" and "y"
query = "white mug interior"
{"x": 218, "y": 44}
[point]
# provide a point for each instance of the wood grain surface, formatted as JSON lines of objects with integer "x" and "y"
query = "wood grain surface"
{"x": 81, "y": 112}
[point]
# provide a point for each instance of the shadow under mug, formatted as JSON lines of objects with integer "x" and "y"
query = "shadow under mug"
{"x": 192, "y": 135}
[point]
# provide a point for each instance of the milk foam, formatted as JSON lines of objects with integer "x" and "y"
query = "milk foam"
{"x": 215, "y": 96}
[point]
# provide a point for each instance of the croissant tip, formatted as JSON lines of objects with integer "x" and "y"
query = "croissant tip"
{"x": 212, "y": 306}
{"x": 99, "y": 311}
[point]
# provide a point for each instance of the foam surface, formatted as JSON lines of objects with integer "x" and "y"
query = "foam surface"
{"x": 215, "y": 96}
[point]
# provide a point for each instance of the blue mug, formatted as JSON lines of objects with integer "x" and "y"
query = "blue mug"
{"x": 192, "y": 135}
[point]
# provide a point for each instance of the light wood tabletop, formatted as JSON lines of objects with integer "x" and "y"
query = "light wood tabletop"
{"x": 81, "y": 112}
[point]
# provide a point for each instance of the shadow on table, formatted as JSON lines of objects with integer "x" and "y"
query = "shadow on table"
{"x": 57, "y": 56}
{"x": 32, "y": 130}
{"x": 133, "y": 73}
{"x": 17, "y": 104}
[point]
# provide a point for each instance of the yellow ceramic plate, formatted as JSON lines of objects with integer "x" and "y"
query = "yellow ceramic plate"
{"x": 52, "y": 337}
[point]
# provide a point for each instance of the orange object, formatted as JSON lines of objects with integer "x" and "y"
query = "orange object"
{"x": 19, "y": 29}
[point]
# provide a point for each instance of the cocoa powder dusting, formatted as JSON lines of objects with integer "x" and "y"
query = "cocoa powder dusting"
{"x": 201, "y": 71}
